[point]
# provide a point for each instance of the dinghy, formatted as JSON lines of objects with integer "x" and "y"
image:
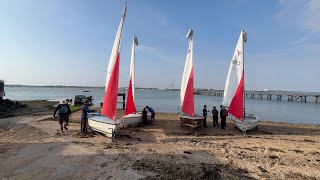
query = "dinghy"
{"x": 108, "y": 121}
{"x": 233, "y": 97}
{"x": 131, "y": 116}
{"x": 187, "y": 116}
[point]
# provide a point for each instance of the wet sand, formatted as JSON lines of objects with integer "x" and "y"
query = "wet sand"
{"x": 32, "y": 147}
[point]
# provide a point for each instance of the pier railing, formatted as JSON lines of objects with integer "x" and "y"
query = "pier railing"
{"x": 268, "y": 95}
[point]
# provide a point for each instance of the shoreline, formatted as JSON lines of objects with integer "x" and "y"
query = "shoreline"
{"x": 47, "y": 103}
{"x": 33, "y": 147}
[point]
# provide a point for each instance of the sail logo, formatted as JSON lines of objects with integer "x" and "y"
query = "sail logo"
{"x": 239, "y": 52}
{"x": 235, "y": 64}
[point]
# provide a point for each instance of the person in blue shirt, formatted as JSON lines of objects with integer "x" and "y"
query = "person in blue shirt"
{"x": 84, "y": 116}
{"x": 153, "y": 113}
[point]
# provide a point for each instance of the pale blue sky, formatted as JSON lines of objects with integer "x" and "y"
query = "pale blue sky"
{"x": 68, "y": 42}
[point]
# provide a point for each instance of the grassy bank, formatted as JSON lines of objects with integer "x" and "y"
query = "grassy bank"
{"x": 75, "y": 108}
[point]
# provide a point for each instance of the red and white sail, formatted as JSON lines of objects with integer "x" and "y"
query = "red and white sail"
{"x": 109, "y": 108}
{"x": 130, "y": 106}
{"x": 234, "y": 89}
{"x": 186, "y": 94}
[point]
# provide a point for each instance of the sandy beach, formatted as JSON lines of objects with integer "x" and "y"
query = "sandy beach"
{"x": 32, "y": 147}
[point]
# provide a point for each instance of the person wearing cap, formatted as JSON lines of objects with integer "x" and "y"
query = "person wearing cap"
{"x": 205, "y": 112}
{"x": 84, "y": 117}
{"x": 215, "y": 114}
{"x": 64, "y": 112}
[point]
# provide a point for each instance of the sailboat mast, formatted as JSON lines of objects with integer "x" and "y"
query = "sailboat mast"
{"x": 244, "y": 39}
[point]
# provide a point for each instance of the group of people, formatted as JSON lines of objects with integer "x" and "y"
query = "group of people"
{"x": 215, "y": 114}
{"x": 64, "y": 113}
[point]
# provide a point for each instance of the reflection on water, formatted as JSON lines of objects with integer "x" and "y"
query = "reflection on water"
{"x": 168, "y": 101}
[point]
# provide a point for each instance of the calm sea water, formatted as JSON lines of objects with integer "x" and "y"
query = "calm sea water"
{"x": 168, "y": 101}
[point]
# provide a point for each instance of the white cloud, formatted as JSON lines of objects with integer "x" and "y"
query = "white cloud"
{"x": 303, "y": 13}
{"x": 147, "y": 48}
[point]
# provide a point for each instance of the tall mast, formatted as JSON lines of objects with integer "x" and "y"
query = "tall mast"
{"x": 244, "y": 39}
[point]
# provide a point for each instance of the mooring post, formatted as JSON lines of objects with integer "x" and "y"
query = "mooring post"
{"x": 124, "y": 101}
{"x": 269, "y": 96}
{"x": 279, "y": 97}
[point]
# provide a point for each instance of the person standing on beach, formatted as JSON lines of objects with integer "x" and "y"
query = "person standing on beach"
{"x": 69, "y": 114}
{"x": 153, "y": 113}
{"x": 145, "y": 116}
{"x": 64, "y": 113}
{"x": 205, "y": 113}
{"x": 223, "y": 116}
{"x": 101, "y": 105}
{"x": 84, "y": 117}
{"x": 215, "y": 114}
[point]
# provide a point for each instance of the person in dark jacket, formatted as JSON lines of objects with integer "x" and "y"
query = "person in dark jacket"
{"x": 153, "y": 113}
{"x": 84, "y": 116}
{"x": 223, "y": 116}
{"x": 63, "y": 114}
{"x": 215, "y": 114}
{"x": 145, "y": 116}
{"x": 205, "y": 113}
{"x": 68, "y": 117}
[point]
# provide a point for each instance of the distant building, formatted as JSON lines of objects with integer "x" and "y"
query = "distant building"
{"x": 2, "y": 93}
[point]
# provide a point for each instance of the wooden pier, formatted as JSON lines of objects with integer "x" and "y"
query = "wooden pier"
{"x": 123, "y": 100}
{"x": 268, "y": 95}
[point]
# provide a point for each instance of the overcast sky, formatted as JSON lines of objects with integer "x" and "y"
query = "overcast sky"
{"x": 68, "y": 42}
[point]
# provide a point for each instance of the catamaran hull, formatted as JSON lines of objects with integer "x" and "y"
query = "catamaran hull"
{"x": 134, "y": 119}
{"x": 104, "y": 125}
{"x": 191, "y": 121}
{"x": 250, "y": 122}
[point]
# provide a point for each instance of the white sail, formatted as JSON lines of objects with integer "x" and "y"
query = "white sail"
{"x": 109, "y": 108}
{"x": 132, "y": 65}
{"x": 115, "y": 48}
{"x": 235, "y": 73}
{"x": 130, "y": 105}
{"x": 186, "y": 96}
{"x": 234, "y": 89}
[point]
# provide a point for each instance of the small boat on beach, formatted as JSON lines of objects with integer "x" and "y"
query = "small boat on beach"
{"x": 108, "y": 122}
{"x": 103, "y": 124}
{"x": 233, "y": 97}
{"x": 187, "y": 116}
{"x": 131, "y": 116}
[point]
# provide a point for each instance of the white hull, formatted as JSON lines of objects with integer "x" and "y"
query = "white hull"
{"x": 104, "y": 125}
{"x": 250, "y": 122}
{"x": 134, "y": 119}
{"x": 191, "y": 121}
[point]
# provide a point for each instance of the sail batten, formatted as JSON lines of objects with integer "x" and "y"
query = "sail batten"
{"x": 109, "y": 108}
{"x": 186, "y": 94}
{"x": 234, "y": 89}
